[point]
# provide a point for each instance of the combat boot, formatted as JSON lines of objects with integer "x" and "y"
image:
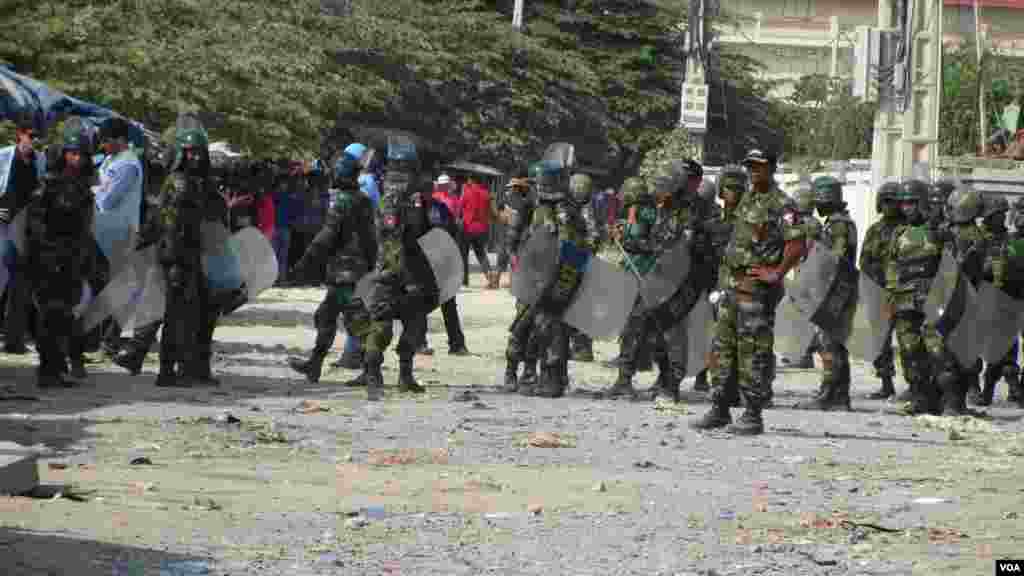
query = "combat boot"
{"x": 511, "y": 383}
{"x": 700, "y": 382}
{"x": 717, "y": 417}
{"x": 372, "y": 362}
{"x": 528, "y": 381}
{"x": 551, "y": 383}
{"x": 311, "y": 368}
{"x": 131, "y": 359}
{"x": 349, "y": 361}
{"x": 824, "y": 399}
{"x": 989, "y": 391}
{"x": 623, "y": 387}
{"x": 168, "y": 377}
{"x": 750, "y": 423}
{"x": 665, "y": 387}
{"x": 885, "y": 391}
{"x": 1016, "y": 387}
{"x": 947, "y": 383}
{"x": 406, "y": 380}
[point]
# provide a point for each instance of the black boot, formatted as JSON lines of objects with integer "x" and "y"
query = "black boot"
{"x": 947, "y": 383}
{"x": 511, "y": 383}
{"x": 349, "y": 361}
{"x": 311, "y": 368}
{"x": 666, "y": 387}
{"x": 374, "y": 379}
{"x": 717, "y": 417}
{"x": 885, "y": 391}
{"x": 824, "y": 399}
{"x": 406, "y": 381}
{"x": 131, "y": 359}
{"x": 623, "y": 387}
{"x": 169, "y": 378}
{"x": 750, "y": 423}
{"x": 528, "y": 380}
{"x": 989, "y": 391}
{"x": 551, "y": 383}
{"x": 700, "y": 383}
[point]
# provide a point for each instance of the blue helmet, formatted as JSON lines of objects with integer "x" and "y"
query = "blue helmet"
{"x": 348, "y": 164}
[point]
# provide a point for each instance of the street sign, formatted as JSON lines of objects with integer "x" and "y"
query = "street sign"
{"x": 694, "y": 109}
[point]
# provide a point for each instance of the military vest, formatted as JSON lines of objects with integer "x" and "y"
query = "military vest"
{"x": 876, "y": 244}
{"x": 913, "y": 260}
{"x": 841, "y": 223}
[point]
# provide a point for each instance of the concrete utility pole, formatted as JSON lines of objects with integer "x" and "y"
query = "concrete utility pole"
{"x": 906, "y": 139}
{"x": 693, "y": 114}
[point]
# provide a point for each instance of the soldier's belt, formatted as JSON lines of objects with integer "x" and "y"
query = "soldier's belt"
{"x": 921, "y": 269}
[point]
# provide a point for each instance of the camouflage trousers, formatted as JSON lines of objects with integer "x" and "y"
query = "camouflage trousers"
{"x": 393, "y": 300}
{"x": 667, "y": 344}
{"x": 339, "y": 300}
{"x": 914, "y": 340}
{"x": 744, "y": 340}
{"x": 835, "y": 360}
{"x": 885, "y": 366}
{"x": 521, "y": 345}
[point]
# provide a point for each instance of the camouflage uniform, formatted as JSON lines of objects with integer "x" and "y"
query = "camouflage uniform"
{"x": 58, "y": 239}
{"x": 581, "y": 189}
{"x": 1014, "y": 273}
{"x": 768, "y": 234}
{"x": 679, "y": 218}
{"x": 805, "y": 199}
{"x": 873, "y": 263}
{"x": 565, "y": 217}
{"x": 348, "y": 238}
{"x": 967, "y": 241}
{"x": 912, "y": 261}
{"x": 995, "y": 270}
{"x": 839, "y": 234}
{"x": 520, "y": 347}
{"x": 404, "y": 285}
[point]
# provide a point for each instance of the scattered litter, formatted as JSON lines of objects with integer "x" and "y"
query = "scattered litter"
{"x": 356, "y": 522}
{"x": 931, "y": 500}
{"x": 850, "y": 525}
{"x": 185, "y": 568}
{"x": 961, "y": 424}
{"x": 311, "y": 407}
{"x": 141, "y": 461}
{"x": 820, "y": 558}
{"x": 200, "y": 503}
{"x": 547, "y": 440}
{"x": 464, "y": 396}
{"x": 481, "y": 406}
{"x": 227, "y": 418}
{"x": 646, "y": 465}
{"x": 375, "y": 512}
{"x": 727, "y": 515}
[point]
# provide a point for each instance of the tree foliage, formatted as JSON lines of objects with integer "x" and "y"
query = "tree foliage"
{"x": 271, "y": 77}
{"x": 822, "y": 120}
{"x": 962, "y": 82}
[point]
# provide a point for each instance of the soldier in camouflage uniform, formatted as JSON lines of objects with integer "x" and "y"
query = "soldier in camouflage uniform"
{"x": 997, "y": 236}
{"x": 1014, "y": 282}
{"x": 582, "y": 189}
{"x": 641, "y": 253}
{"x": 732, "y": 185}
{"x": 520, "y": 348}
{"x": 968, "y": 243}
{"x": 348, "y": 239}
{"x": 839, "y": 235}
{"x": 404, "y": 285}
{"x": 561, "y": 214}
{"x": 872, "y": 263}
{"x": 912, "y": 261}
{"x": 58, "y": 241}
{"x": 768, "y": 241}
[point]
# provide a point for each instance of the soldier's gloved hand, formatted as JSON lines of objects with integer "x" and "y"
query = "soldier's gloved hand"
{"x": 5, "y": 216}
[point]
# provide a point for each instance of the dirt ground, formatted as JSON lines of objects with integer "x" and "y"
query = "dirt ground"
{"x": 269, "y": 475}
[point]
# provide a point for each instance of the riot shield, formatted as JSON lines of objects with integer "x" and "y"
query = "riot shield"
{"x": 943, "y": 286}
{"x": 604, "y": 300}
{"x": 445, "y": 260}
{"x": 220, "y": 258}
{"x": 257, "y": 262}
{"x": 538, "y": 264}
{"x": 952, "y": 307}
{"x": 870, "y": 331}
{"x": 136, "y": 293}
{"x": 667, "y": 276}
{"x": 793, "y": 331}
{"x": 700, "y": 324}
{"x": 1001, "y": 317}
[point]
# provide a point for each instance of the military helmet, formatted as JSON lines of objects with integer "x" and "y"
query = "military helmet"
{"x": 670, "y": 177}
{"x": 828, "y": 192}
{"x": 757, "y": 215}
{"x": 995, "y": 204}
{"x": 888, "y": 192}
{"x": 347, "y": 165}
{"x": 805, "y": 199}
{"x": 940, "y": 191}
{"x": 693, "y": 168}
{"x": 634, "y": 190}
{"x": 581, "y": 186}
{"x": 189, "y": 132}
{"x": 78, "y": 136}
{"x": 733, "y": 175}
{"x": 964, "y": 205}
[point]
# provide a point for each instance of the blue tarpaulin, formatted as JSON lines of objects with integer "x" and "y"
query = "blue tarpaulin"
{"x": 20, "y": 93}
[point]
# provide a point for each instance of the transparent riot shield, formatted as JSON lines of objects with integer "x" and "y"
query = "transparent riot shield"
{"x": 667, "y": 276}
{"x": 603, "y": 302}
{"x": 538, "y": 265}
{"x": 445, "y": 260}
